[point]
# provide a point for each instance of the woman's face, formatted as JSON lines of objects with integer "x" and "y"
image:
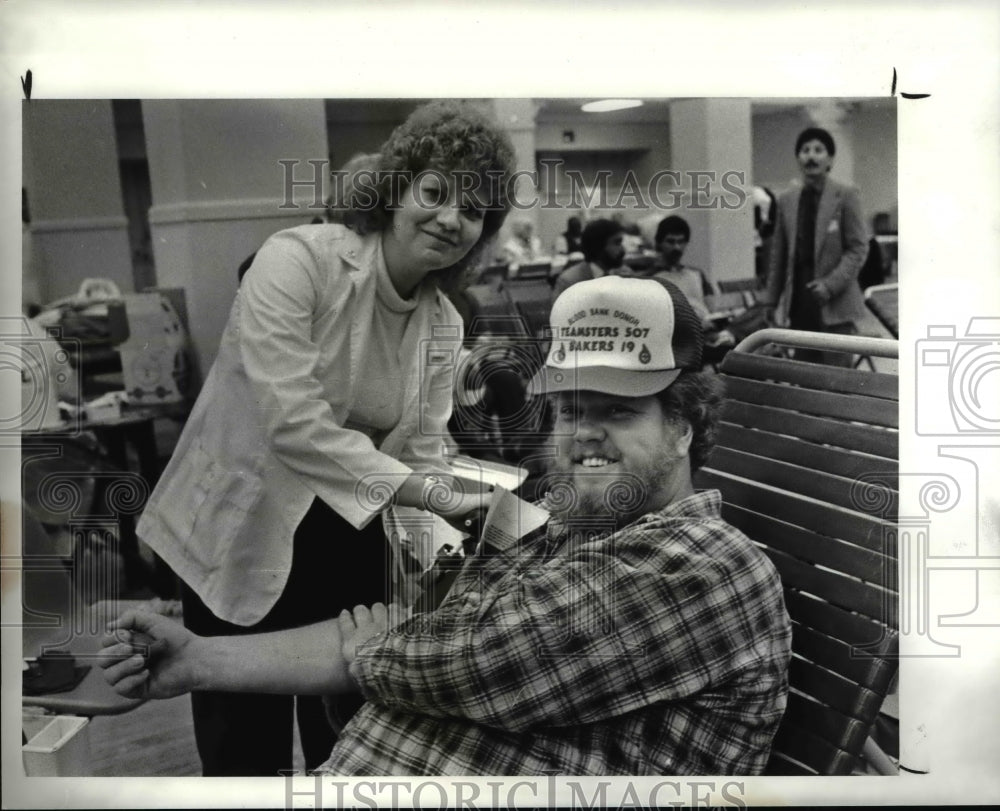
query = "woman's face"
{"x": 433, "y": 228}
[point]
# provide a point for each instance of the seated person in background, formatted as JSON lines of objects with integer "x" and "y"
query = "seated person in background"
{"x": 636, "y": 633}
{"x": 570, "y": 241}
{"x": 631, "y": 235}
{"x": 603, "y": 254}
{"x": 672, "y": 237}
{"x": 523, "y": 247}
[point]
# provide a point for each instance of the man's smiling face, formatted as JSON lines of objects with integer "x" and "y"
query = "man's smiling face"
{"x": 618, "y": 450}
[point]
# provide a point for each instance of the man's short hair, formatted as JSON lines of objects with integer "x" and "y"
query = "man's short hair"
{"x": 595, "y": 236}
{"x": 816, "y": 134}
{"x": 696, "y": 398}
{"x": 673, "y": 225}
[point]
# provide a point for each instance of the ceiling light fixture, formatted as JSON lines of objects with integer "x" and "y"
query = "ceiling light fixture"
{"x": 607, "y": 105}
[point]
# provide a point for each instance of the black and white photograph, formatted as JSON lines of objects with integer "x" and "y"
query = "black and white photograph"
{"x": 408, "y": 422}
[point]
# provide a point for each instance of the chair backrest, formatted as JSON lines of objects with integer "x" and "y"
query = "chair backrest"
{"x": 883, "y": 301}
{"x": 807, "y": 463}
{"x": 532, "y": 271}
{"x": 738, "y": 285}
{"x": 533, "y": 302}
{"x": 492, "y": 311}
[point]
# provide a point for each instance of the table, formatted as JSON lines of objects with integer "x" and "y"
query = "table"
{"x": 80, "y": 633}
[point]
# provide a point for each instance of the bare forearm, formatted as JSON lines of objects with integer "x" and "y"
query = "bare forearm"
{"x": 299, "y": 661}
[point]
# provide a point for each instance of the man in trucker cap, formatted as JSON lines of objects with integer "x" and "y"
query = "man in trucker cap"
{"x": 636, "y": 633}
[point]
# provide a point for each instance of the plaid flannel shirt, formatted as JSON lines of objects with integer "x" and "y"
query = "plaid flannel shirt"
{"x": 661, "y": 648}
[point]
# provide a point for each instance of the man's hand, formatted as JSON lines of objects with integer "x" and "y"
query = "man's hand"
{"x": 819, "y": 291}
{"x": 149, "y": 656}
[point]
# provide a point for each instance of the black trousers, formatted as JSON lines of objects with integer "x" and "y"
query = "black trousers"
{"x": 334, "y": 566}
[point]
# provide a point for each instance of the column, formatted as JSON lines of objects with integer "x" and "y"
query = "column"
{"x": 220, "y": 189}
{"x": 78, "y": 225}
{"x": 710, "y": 147}
{"x": 517, "y": 116}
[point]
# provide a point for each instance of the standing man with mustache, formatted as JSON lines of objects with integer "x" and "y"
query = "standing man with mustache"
{"x": 820, "y": 244}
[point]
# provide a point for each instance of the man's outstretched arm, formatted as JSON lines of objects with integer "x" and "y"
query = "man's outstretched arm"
{"x": 151, "y": 656}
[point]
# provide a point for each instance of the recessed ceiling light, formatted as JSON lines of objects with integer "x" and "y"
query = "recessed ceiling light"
{"x": 607, "y": 105}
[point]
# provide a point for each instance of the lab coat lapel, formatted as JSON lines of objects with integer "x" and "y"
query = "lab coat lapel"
{"x": 358, "y": 254}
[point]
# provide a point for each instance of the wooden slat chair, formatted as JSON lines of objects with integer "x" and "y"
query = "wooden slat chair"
{"x": 883, "y": 301}
{"x": 747, "y": 285}
{"x": 807, "y": 463}
{"x": 493, "y": 311}
{"x": 533, "y": 301}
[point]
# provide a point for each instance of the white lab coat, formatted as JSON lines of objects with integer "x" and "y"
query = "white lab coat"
{"x": 267, "y": 434}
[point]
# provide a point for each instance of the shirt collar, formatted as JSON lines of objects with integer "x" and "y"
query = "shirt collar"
{"x": 702, "y": 504}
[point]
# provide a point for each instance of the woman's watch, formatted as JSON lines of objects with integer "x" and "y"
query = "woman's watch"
{"x": 431, "y": 481}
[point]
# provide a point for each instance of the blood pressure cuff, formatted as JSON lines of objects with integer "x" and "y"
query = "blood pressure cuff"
{"x": 54, "y": 671}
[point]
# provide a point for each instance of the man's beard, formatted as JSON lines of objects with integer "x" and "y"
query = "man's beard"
{"x": 621, "y": 497}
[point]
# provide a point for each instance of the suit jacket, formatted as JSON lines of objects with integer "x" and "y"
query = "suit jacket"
{"x": 841, "y": 246}
{"x": 269, "y": 432}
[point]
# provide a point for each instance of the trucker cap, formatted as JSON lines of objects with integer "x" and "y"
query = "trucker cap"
{"x": 619, "y": 335}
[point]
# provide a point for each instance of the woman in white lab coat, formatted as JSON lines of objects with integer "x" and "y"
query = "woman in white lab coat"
{"x": 326, "y": 404}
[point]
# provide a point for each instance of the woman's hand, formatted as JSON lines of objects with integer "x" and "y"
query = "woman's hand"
{"x": 460, "y": 505}
{"x": 147, "y": 655}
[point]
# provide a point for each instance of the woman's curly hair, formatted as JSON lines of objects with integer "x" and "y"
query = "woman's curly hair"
{"x": 441, "y": 136}
{"x": 695, "y": 398}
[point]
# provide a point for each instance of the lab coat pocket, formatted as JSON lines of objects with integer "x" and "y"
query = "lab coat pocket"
{"x": 181, "y": 494}
{"x": 227, "y": 499}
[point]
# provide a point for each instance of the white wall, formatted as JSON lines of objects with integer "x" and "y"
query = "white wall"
{"x": 78, "y": 226}
{"x": 218, "y": 189}
{"x": 876, "y": 159}
{"x": 640, "y": 147}
{"x": 773, "y": 137}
